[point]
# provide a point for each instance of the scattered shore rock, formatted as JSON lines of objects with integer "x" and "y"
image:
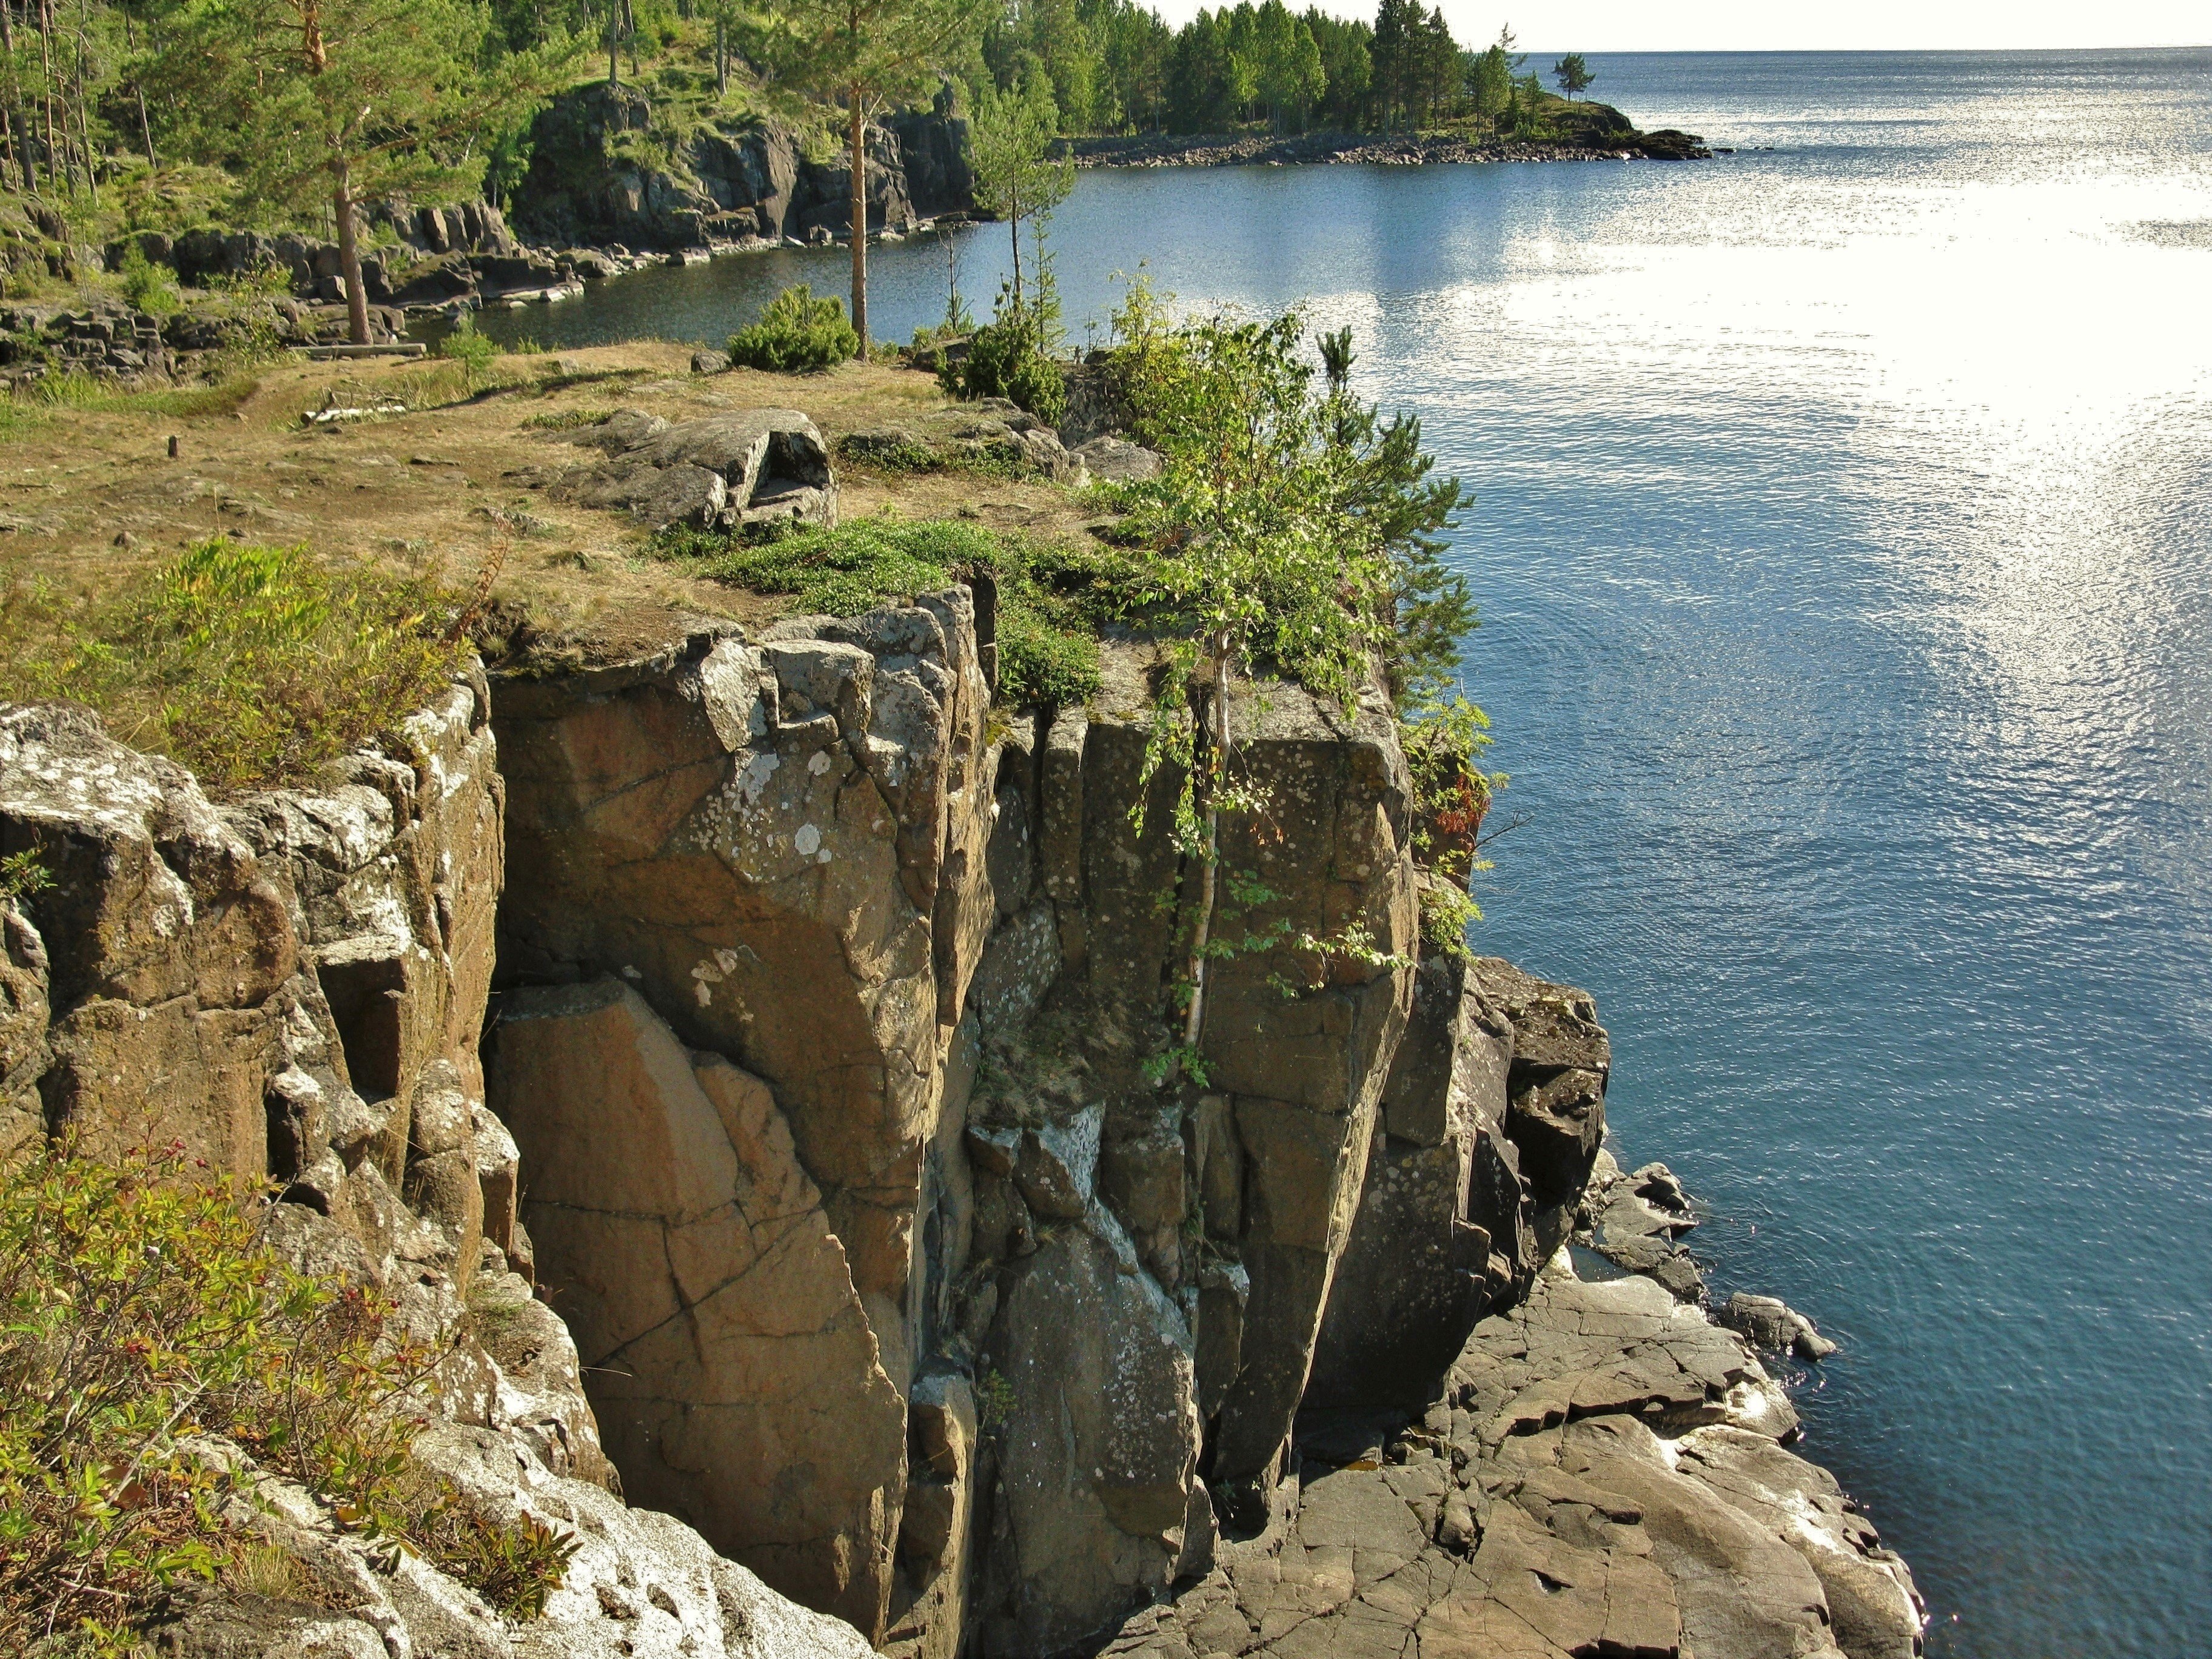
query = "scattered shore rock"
{"x": 1773, "y": 1323}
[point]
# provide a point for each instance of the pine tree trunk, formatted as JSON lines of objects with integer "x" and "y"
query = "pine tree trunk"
{"x": 1014, "y": 221}
{"x": 860, "y": 141}
{"x": 19, "y": 126}
{"x": 613, "y": 45}
{"x": 722, "y": 59}
{"x": 349, "y": 254}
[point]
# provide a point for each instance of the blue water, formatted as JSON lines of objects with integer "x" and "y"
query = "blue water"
{"x": 1844, "y": 536}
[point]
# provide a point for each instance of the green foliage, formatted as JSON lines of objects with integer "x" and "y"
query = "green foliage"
{"x": 994, "y": 1400}
{"x": 1489, "y": 77}
{"x": 146, "y": 285}
{"x": 1572, "y": 74}
{"x": 797, "y": 331}
{"x": 1291, "y": 528}
{"x": 139, "y": 1306}
{"x": 465, "y": 344}
{"x": 247, "y": 663}
{"x": 375, "y": 97}
{"x": 567, "y": 420}
{"x": 1447, "y": 912}
{"x": 1048, "y": 608}
{"x": 514, "y": 1567}
{"x": 1008, "y": 358}
{"x": 22, "y": 874}
{"x": 1443, "y": 736}
{"x": 1039, "y": 662}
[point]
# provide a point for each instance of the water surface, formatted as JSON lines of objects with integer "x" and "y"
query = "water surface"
{"x": 1843, "y": 536}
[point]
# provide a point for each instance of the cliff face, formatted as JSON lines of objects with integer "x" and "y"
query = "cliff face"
{"x": 602, "y": 172}
{"x": 812, "y": 1098}
{"x": 892, "y": 1270}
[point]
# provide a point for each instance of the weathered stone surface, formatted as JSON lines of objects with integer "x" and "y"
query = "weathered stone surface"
{"x": 1874, "y": 1610}
{"x": 1305, "y": 1073}
{"x": 733, "y": 1370}
{"x": 640, "y": 1585}
{"x": 1017, "y": 967}
{"x": 1602, "y": 1527}
{"x": 1116, "y": 460}
{"x": 745, "y": 467}
{"x": 1098, "y": 1454}
{"x": 934, "y": 1528}
{"x": 1556, "y": 1090}
{"x": 713, "y": 826}
{"x": 170, "y": 953}
{"x": 1416, "y": 1271}
{"x": 295, "y": 985}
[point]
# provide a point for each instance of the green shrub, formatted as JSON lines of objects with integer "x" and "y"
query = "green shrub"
{"x": 474, "y": 351}
{"x": 567, "y": 420}
{"x": 797, "y": 331}
{"x": 146, "y": 285}
{"x": 1039, "y": 663}
{"x": 1006, "y": 358}
{"x": 246, "y": 664}
{"x": 139, "y": 1304}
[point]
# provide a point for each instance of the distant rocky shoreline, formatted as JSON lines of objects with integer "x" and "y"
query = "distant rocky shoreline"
{"x": 1378, "y": 149}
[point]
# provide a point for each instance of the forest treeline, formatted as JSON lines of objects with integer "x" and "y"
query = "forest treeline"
{"x": 1114, "y": 66}
{"x": 124, "y": 114}
{"x": 90, "y": 89}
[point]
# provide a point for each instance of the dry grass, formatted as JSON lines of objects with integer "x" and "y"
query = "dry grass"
{"x": 91, "y": 504}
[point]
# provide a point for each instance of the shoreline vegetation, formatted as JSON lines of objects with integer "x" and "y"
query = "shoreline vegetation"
{"x": 141, "y": 139}
{"x": 1221, "y": 149}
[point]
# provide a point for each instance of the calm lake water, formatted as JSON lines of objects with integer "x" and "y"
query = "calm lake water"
{"x": 1843, "y": 536}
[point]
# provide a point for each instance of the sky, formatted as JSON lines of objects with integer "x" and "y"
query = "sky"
{"x": 1763, "y": 25}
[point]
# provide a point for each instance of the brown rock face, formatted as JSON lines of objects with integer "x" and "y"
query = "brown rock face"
{"x": 782, "y": 846}
{"x": 1444, "y": 1228}
{"x": 1097, "y": 1443}
{"x": 1555, "y": 1092}
{"x": 688, "y": 1250}
{"x": 273, "y": 984}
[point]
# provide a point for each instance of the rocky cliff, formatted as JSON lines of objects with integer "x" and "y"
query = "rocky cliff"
{"x": 779, "y": 1005}
{"x": 608, "y": 168}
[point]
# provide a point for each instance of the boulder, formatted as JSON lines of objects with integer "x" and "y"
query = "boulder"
{"x": 1556, "y": 1090}
{"x": 1113, "y": 459}
{"x": 751, "y": 467}
{"x": 1773, "y": 1324}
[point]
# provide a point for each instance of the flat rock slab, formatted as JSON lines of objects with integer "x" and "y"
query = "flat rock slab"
{"x": 1604, "y": 1473}
{"x": 730, "y": 471}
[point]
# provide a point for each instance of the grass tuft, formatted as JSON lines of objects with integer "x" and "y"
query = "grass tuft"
{"x": 249, "y": 664}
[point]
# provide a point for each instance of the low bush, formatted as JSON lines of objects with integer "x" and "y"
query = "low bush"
{"x": 146, "y": 285}
{"x": 1049, "y": 607}
{"x": 1006, "y": 358}
{"x": 796, "y": 332}
{"x": 246, "y": 664}
{"x": 140, "y": 1307}
{"x": 475, "y": 352}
